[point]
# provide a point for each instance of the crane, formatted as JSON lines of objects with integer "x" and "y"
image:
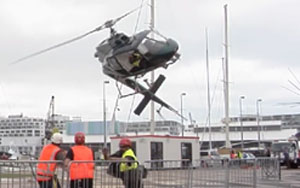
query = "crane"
{"x": 49, "y": 123}
{"x": 50, "y": 115}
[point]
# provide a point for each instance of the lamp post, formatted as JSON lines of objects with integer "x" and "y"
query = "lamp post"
{"x": 181, "y": 101}
{"x": 258, "y": 120}
{"x": 241, "y": 121}
{"x": 104, "y": 114}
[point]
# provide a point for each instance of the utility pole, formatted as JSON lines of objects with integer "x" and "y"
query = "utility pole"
{"x": 181, "y": 109}
{"x": 241, "y": 121}
{"x": 258, "y": 121}
{"x": 104, "y": 114}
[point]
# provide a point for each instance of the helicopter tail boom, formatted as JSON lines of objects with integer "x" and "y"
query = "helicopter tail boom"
{"x": 149, "y": 94}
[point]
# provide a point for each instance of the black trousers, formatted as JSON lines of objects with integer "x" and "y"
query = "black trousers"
{"x": 53, "y": 183}
{"x": 82, "y": 183}
{"x": 132, "y": 179}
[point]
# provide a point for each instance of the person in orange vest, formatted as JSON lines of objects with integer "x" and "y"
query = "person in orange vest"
{"x": 45, "y": 172}
{"x": 127, "y": 170}
{"x": 81, "y": 174}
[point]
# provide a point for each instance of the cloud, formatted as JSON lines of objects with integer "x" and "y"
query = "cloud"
{"x": 263, "y": 36}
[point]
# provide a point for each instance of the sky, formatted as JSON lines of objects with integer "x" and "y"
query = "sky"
{"x": 264, "y": 36}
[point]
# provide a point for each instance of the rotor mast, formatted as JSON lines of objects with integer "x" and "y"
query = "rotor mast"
{"x": 152, "y": 115}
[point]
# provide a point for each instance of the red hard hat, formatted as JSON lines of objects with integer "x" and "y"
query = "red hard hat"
{"x": 79, "y": 138}
{"x": 125, "y": 142}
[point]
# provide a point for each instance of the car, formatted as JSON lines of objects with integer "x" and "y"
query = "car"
{"x": 247, "y": 155}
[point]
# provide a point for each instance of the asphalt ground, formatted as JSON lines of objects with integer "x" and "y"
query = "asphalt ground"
{"x": 290, "y": 178}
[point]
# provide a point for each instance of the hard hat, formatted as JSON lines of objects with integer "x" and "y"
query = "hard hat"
{"x": 57, "y": 138}
{"x": 79, "y": 138}
{"x": 125, "y": 142}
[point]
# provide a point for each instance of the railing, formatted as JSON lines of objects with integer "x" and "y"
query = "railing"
{"x": 158, "y": 173}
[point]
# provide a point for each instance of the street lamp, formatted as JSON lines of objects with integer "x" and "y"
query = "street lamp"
{"x": 258, "y": 121}
{"x": 182, "y": 128}
{"x": 241, "y": 121}
{"x": 104, "y": 114}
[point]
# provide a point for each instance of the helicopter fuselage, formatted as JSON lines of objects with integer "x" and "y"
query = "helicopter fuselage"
{"x": 122, "y": 56}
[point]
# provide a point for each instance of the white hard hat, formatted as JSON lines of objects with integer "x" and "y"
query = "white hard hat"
{"x": 57, "y": 138}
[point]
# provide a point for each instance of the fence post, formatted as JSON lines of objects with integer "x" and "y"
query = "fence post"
{"x": 279, "y": 167}
{"x": 227, "y": 176}
{"x": 63, "y": 174}
{"x": 254, "y": 173}
{"x": 190, "y": 175}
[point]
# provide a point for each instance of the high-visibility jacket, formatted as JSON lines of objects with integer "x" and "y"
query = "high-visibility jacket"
{"x": 45, "y": 171}
{"x": 239, "y": 155}
{"x": 124, "y": 166}
{"x": 80, "y": 170}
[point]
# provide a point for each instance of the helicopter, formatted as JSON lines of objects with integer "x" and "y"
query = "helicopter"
{"x": 126, "y": 58}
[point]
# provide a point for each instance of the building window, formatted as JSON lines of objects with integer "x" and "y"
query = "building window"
{"x": 156, "y": 153}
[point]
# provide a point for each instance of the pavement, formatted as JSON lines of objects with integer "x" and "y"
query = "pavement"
{"x": 290, "y": 178}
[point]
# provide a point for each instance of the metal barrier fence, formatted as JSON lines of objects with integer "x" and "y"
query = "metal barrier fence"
{"x": 159, "y": 173}
{"x": 22, "y": 174}
{"x": 168, "y": 173}
{"x": 269, "y": 169}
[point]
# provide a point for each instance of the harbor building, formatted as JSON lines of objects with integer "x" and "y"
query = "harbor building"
{"x": 249, "y": 129}
{"x": 25, "y": 134}
{"x": 22, "y": 134}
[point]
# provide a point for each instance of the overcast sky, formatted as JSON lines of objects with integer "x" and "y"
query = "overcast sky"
{"x": 264, "y": 37}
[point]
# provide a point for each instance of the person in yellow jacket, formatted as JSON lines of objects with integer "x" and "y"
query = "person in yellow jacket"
{"x": 81, "y": 174}
{"x": 45, "y": 172}
{"x": 128, "y": 170}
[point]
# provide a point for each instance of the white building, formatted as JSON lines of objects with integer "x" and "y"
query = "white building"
{"x": 158, "y": 147}
{"x": 21, "y": 134}
{"x": 267, "y": 129}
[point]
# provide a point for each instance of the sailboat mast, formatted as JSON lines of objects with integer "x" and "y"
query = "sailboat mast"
{"x": 208, "y": 90}
{"x": 227, "y": 142}
{"x": 152, "y": 124}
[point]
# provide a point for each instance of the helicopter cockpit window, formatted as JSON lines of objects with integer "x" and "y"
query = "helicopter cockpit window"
{"x": 112, "y": 62}
{"x": 119, "y": 40}
{"x": 150, "y": 46}
{"x": 123, "y": 59}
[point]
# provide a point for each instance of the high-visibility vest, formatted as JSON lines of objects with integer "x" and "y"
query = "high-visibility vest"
{"x": 239, "y": 154}
{"x": 80, "y": 170}
{"x": 124, "y": 166}
{"x": 45, "y": 171}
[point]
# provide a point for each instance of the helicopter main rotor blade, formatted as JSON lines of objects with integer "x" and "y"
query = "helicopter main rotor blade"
{"x": 52, "y": 47}
{"x": 107, "y": 24}
{"x": 112, "y": 22}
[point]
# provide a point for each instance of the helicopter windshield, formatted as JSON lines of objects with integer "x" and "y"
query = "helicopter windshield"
{"x": 150, "y": 47}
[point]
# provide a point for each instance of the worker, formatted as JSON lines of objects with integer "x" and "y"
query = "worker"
{"x": 45, "y": 172}
{"x": 232, "y": 154}
{"x": 81, "y": 173}
{"x": 135, "y": 59}
{"x": 128, "y": 170}
{"x": 239, "y": 155}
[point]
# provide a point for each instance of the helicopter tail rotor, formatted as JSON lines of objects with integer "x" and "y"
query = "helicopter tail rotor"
{"x": 149, "y": 94}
